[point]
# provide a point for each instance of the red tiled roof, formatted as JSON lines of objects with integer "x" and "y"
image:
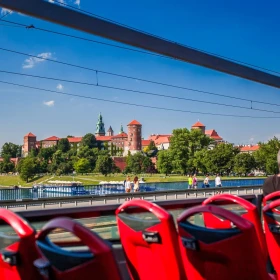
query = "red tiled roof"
{"x": 121, "y": 135}
{"x": 146, "y": 142}
{"x": 75, "y": 139}
{"x": 154, "y": 137}
{"x": 134, "y": 122}
{"x": 162, "y": 140}
{"x": 198, "y": 124}
{"x": 103, "y": 138}
{"x": 30, "y": 135}
{"x": 249, "y": 148}
{"x": 212, "y": 133}
{"x": 52, "y": 138}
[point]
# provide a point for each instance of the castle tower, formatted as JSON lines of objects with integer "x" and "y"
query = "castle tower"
{"x": 29, "y": 143}
{"x": 134, "y": 135}
{"x": 110, "y": 131}
{"x": 100, "y": 129}
{"x": 199, "y": 125}
{"x": 121, "y": 131}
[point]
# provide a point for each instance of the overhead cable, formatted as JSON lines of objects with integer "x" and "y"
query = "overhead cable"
{"x": 135, "y": 49}
{"x": 141, "y": 79}
{"x": 139, "y": 105}
{"x": 137, "y": 91}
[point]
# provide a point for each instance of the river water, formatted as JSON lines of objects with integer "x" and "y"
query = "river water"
{"x": 23, "y": 193}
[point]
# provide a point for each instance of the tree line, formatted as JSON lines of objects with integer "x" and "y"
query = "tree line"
{"x": 192, "y": 152}
{"x": 89, "y": 156}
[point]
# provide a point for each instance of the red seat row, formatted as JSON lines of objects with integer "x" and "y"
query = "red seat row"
{"x": 35, "y": 257}
{"x": 230, "y": 246}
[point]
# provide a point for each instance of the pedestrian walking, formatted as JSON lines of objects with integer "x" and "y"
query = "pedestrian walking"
{"x": 206, "y": 182}
{"x": 127, "y": 186}
{"x": 190, "y": 182}
{"x": 136, "y": 184}
{"x": 194, "y": 181}
{"x": 218, "y": 182}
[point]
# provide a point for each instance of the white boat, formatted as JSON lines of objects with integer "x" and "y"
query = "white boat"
{"x": 73, "y": 188}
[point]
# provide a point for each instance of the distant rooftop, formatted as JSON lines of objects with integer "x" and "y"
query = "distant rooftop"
{"x": 134, "y": 122}
{"x": 198, "y": 124}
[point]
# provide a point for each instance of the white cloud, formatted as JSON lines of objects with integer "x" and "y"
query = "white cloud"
{"x": 49, "y": 103}
{"x": 32, "y": 61}
{"x": 52, "y": 1}
{"x": 76, "y": 2}
{"x": 5, "y": 11}
{"x": 251, "y": 139}
{"x": 60, "y": 87}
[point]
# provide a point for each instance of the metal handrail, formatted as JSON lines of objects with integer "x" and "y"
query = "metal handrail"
{"x": 168, "y": 194}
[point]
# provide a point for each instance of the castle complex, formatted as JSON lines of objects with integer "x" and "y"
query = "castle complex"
{"x": 130, "y": 142}
{"x": 124, "y": 142}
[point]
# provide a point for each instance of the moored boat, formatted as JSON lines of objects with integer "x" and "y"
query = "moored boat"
{"x": 73, "y": 188}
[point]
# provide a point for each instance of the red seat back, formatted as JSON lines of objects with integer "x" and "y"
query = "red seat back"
{"x": 216, "y": 254}
{"x": 150, "y": 245}
{"x": 16, "y": 259}
{"x": 249, "y": 212}
{"x": 96, "y": 262}
{"x": 272, "y": 232}
{"x": 271, "y": 197}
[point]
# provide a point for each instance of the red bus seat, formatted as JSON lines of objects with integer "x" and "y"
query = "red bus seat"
{"x": 17, "y": 253}
{"x": 271, "y": 197}
{"x": 150, "y": 245}
{"x": 272, "y": 232}
{"x": 219, "y": 254}
{"x": 96, "y": 262}
{"x": 249, "y": 212}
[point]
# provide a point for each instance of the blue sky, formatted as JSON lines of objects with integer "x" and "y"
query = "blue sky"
{"x": 243, "y": 30}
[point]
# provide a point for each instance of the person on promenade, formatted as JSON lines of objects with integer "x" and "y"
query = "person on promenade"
{"x": 218, "y": 182}
{"x": 190, "y": 182}
{"x": 206, "y": 182}
{"x": 194, "y": 181}
{"x": 136, "y": 184}
{"x": 272, "y": 183}
{"x": 127, "y": 186}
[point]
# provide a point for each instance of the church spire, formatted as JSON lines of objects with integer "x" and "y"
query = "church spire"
{"x": 121, "y": 131}
{"x": 100, "y": 128}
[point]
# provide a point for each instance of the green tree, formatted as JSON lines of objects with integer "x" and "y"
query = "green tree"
{"x": 28, "y": 169}
{"x": 147, "y": 165}
{"x": 164, "y": 162}
{"x": 152, "y": 146}
{"x": 135, "y": 163}
{"x": 82, "y": 166}
{"x": 221, "y": 158}
{"x": 89, "y": 154}
{"x": 266, "y": 156}
{"x": 200, "y": 160}
{"x": 197, "y": 142}
{"x": 89, "y": 140}
{"x": 6, "y": 166}
{"x": 179, "y": 148}
{"x": 46, "y": 153}
{"x": 243, "y": 163}
{"x": 104, "y": 164}
{"x": 33, "y": 153}
{"x": 10, "y": 150}
{"x": 63, "y": 145}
